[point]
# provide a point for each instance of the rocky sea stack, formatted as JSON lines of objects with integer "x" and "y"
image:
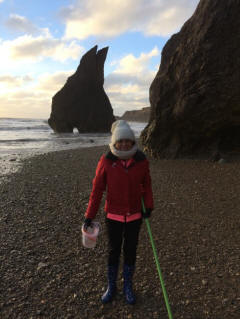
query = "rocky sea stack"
{"x": 82, "y": 102}
{"x": 195, "y": 96}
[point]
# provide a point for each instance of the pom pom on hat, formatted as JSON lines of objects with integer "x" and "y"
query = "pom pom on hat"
{"x": 121, "y": 130}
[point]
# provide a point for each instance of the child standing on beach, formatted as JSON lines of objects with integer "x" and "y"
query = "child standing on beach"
{"x": 124, "y": 174}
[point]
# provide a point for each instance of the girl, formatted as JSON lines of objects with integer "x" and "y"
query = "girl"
{"x": 124, "y": 172}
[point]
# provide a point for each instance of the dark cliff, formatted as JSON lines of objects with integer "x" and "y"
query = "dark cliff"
{"x": 195, "y": 96}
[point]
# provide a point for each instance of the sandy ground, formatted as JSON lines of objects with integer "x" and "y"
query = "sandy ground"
{"x": 47, "y": 273}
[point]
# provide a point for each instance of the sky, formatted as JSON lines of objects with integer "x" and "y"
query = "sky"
{"x": 42, "y": 42}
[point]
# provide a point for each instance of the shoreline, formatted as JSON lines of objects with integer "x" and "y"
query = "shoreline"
{"x": 12, "y": 162}
{"x": 46, "y": 272}
{"x": 10, "y": 157}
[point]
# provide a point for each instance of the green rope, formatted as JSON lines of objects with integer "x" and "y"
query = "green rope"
{"x": 158, "y": 265}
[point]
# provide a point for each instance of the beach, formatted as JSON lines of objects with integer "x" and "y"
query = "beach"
{"x": 47, "y": 273}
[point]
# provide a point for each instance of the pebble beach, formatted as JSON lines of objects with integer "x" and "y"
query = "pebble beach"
{"x": 47, "y": 273}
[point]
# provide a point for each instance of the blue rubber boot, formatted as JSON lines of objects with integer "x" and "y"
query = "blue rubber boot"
{"x": 127, "y": 286}
{"x": 112, "y": 287}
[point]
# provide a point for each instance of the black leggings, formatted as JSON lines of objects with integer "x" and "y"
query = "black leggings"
{"x": 126, "y": 233}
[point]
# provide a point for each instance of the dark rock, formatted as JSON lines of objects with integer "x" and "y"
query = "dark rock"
{"x": 137, "y": 115}
{"x": 82, "y": 102}
{"x": 195, "y": 96}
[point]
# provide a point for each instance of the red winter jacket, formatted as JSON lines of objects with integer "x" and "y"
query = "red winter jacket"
{"x": 125, "y": 186}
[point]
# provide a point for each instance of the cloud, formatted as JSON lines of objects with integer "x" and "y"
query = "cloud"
{"x": 110, "y": 18}
{"x": 28, "y": 97}
{"x": 128, "y": 85}
{"x": 8, "y": 80}
{"x": 35, "y": 44}
{"x": 26, "y": 105}
{"x": 53, "y": 82}
{"x": 132, "y": 65}
{"x": 33, "y": 49}
{"x": 27, "y": 47}
{"x": 45, "y": 83}
{"x": 19, "y": 23}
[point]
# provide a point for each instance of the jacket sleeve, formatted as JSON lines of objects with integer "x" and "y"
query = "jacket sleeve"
{"x": 147, "y": 188}
{"x": 99, "y": 186}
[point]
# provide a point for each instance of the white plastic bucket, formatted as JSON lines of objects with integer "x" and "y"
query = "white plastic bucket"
{"x": 89, "y": 236}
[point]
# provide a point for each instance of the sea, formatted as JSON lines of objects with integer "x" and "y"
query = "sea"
{"x": 23, "y": 138}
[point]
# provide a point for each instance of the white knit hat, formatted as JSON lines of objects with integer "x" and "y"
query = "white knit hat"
{"x": 121, "y": 130}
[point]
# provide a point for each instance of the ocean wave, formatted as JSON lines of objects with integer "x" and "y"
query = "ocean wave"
{"x": 12, "y": 119}
{"x": 24, "y": 140}
{"x": 22, "y": 128}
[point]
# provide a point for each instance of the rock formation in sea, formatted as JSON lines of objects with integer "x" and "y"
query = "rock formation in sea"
{"x": 195, "y": 96}
{"x": 137, "y": 115}
{"x": 82, "y": 102}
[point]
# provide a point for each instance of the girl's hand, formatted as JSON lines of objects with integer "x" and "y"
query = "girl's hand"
{"x": 147, "y": 213}
{"x": 87, "y": 223}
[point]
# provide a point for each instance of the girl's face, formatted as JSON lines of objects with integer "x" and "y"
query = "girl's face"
{"x": 124, "y": 145}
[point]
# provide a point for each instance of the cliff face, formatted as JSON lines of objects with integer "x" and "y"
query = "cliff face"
{"x": 137, "y": 115}
{"x": 82, "y": 102}
{"x": 195, "y": 96}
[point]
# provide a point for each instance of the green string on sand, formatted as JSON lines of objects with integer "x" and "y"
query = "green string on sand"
{"x": 157, "y": 264}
